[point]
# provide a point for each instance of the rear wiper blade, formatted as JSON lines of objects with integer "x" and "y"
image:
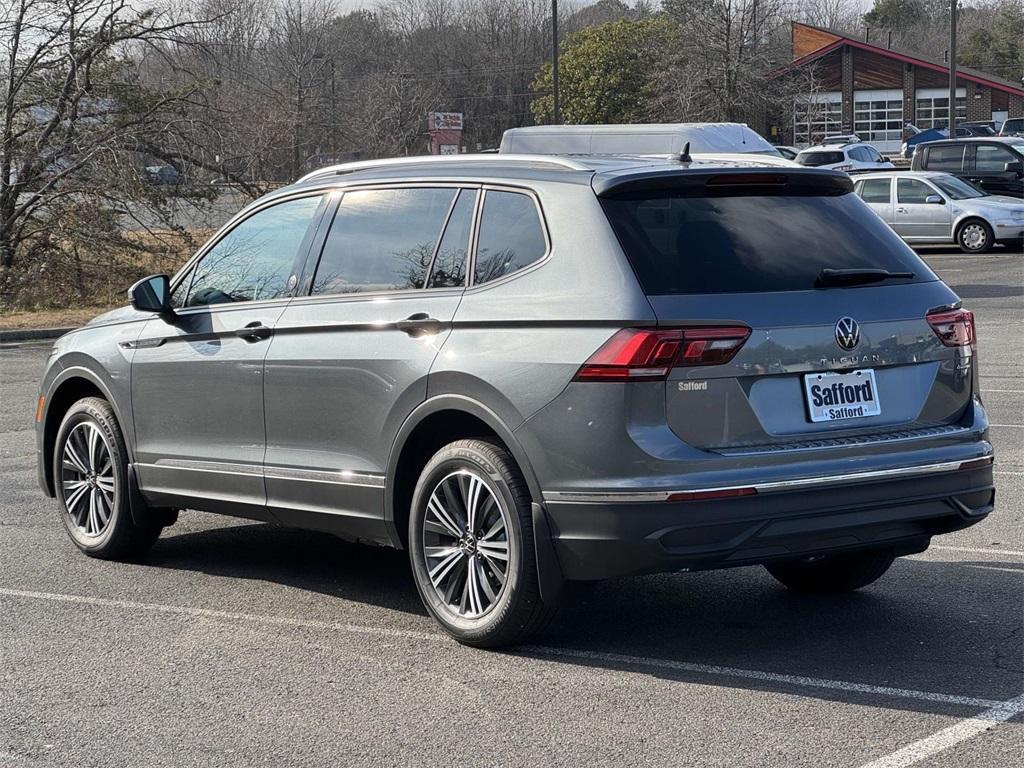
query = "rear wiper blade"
{"x": 837, "y": 277}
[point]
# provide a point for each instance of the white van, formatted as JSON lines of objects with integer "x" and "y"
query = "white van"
{"x": 643, "y": 139}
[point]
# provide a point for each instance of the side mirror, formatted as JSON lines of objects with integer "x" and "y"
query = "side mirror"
{"x": 152, "y": 294}
{"x": 934, "y": 200}
{"x": 1014, "y": 166}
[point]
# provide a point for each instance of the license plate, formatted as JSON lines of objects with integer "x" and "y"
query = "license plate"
{"x": 842, "y": 396}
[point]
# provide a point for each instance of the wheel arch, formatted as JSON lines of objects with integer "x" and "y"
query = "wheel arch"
{"x": 436, "y": 422}
{"x": 68, "y": 387}
{"x": 967, "y": 218}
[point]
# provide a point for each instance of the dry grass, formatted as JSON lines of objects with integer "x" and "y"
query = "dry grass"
{"x": 59, "y": 294}
{"x": 49, "y": 318}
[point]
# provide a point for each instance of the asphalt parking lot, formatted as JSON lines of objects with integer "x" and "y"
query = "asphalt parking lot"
{"x": 242, "y": 644}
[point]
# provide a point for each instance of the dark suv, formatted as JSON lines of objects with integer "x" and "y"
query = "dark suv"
{"x": 994, "y": 165}
{"x": 528, "y": 371}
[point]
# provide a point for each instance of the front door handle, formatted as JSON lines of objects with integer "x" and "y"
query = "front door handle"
{"x": 901, "y": 210}
{"x": 420, "y": 324}
{"x": 255, "y": 331}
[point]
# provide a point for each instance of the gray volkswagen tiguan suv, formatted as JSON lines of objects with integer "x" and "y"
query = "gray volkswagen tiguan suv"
{"x": 529, "y": 371}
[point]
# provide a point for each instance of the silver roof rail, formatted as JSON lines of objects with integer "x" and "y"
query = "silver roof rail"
{"x": 490, "y": 158}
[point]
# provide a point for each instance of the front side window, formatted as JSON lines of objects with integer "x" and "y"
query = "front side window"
{"x": 254, "y": 260}
{"x": 912, "y": 191}
{"x": 511, "y": 235}
{"x": 946, "y": 158}
{"x": 956, "y": 188}
{"x": 989, "y": 157}
{"x": 382, "y": 240}
{"x": 874, "y": 190}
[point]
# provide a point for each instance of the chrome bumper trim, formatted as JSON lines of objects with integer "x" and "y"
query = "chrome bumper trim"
{"x": 626, "y": 497}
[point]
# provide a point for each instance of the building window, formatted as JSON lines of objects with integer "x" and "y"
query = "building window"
{"x": 933, "y": 107}
{"x": 815, "y": 116}
{"x": 878, "y": 116}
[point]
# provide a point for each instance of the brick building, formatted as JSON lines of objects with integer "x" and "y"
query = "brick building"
{"x": 866, "y": 88}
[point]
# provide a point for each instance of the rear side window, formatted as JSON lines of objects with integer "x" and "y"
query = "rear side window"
{"x": 989, "y": 157}
{"x": 511, "y": 235}
{"x": 945, "y": 158}
{"x": 681, "y": 244}
{"x": 912, "y": 191}
{"x": 382, "y": 240}
{"x": 874, "y": 190}
{"x": 814, "y": 159}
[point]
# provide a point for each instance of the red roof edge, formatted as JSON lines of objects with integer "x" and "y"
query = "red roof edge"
{"x": 903, "y": 57}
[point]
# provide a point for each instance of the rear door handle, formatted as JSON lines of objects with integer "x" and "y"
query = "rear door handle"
{"x": 254, "y": 331}
{"x": 420, "y": 324}
{"x": 901, "y": 210}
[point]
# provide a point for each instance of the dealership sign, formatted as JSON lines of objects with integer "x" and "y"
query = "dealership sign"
{"x": 444, "y": 121}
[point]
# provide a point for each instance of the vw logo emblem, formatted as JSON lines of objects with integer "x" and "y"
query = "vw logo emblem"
{"x": 847, "y": 333}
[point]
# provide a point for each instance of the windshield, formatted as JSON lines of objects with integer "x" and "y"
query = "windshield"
{"x": 815, "y": 159}
{"x": 751, "y": 243}
{"x": 1017, "y": 145}
{"x": 957, "y": 189}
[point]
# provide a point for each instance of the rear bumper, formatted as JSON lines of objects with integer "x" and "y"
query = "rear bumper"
{"x": 602, "y": 537}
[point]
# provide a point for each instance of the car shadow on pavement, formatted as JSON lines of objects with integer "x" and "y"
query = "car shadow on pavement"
{"x": 318, "y": 562}
{"x": 944, "y": 627}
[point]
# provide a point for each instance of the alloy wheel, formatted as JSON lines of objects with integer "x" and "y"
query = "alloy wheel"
{"x": 466, "y": 544}
{"x": 88, "y": 485}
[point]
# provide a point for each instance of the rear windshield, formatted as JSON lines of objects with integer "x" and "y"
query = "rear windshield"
{"x": 819, "y": 158}
{"x": 680, "y": 244}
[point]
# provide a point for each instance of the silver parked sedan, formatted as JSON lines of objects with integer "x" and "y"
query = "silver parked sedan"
{"x": 929, "y": 207}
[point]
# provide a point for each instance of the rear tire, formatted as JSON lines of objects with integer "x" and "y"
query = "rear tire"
{"x": 832, "y": 574}
{"x": 471, "y": 546}
{"x": 975, "y": 236}
{"x": 90, "y": 477}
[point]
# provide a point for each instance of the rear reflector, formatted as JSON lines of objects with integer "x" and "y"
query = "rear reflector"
{"x": 648, "y": 354}
{"x": 954, "y": 327}
{"x": 721, "y": 493}
{"x": 977, "y": 463}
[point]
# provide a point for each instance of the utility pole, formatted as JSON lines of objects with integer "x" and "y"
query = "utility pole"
{"x": 952, "y": 69}
{"x": 554, "y": 62}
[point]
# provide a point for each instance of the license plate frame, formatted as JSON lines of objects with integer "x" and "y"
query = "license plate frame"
{"x": 841, "y": 396}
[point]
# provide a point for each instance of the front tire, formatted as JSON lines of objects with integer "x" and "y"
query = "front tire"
{"x": 471, "y": 546}
{"x": 975, "y": 236}
{"x": 90, "y": 477}
{"x": 832, "y": 574}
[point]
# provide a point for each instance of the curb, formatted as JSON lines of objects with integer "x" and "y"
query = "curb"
{"x": 32, "y": 334}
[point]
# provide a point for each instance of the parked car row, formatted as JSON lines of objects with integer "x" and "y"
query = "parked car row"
{"x": 929, "y": 207}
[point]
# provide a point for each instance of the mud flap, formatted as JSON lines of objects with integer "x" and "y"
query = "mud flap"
{"x": 143, "y": 514}
{"x": 549, "y": 572}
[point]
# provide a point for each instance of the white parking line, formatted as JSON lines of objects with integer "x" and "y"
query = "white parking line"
{"x": 642, "y": 662}
{"x": 950, "y": 737}
{"x": 979, "y": 550}
{"x": 1015, "y": 391}
{"x": 1008, "y": 426}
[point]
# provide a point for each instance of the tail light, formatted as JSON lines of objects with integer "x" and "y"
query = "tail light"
{"x": 954, "y": 327}
{"x": 646, "y": 354}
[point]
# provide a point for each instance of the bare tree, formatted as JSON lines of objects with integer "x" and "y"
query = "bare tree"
{"x": 72, "y": 111}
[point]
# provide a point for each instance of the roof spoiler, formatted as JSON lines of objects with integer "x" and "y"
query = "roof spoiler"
{"x": 720, "y": 182}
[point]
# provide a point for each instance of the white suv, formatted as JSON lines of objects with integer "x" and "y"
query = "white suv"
{"x": 844, "y": 157}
